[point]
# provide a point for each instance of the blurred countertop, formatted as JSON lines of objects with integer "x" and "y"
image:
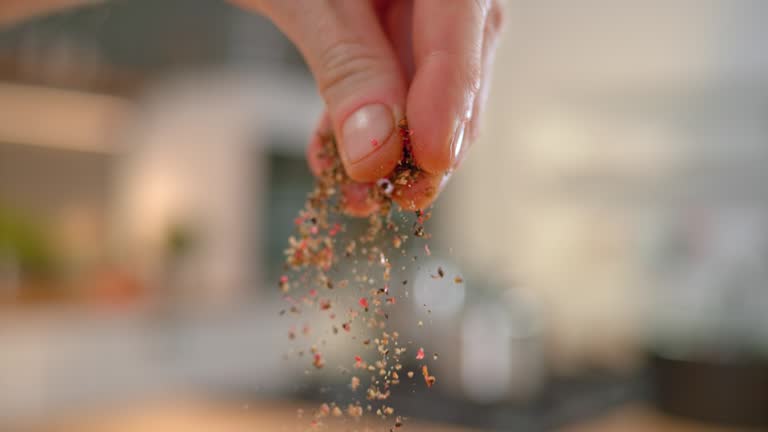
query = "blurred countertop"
{"x": 55, "y": 360}
{"x": 199, "y": 417}
{"x": 640, "y": 418}
{"x": 283, "y": 416}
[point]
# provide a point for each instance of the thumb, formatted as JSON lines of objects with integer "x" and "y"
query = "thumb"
{"x": 358, "y": 76}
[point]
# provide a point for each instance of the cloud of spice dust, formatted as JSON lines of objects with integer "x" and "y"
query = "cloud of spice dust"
{"x": 344, "y": 275}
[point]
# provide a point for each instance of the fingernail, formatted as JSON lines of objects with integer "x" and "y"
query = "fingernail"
{"x": 457, "y": 143}
{"x": 366, "y": 130}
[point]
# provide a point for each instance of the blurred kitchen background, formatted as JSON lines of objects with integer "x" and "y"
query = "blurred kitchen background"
{"x": 610, "y": 224}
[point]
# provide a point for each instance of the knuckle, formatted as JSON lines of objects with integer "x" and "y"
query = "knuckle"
{"x": 345, "y": 63}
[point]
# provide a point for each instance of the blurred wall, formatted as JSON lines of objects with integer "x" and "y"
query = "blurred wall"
{"x": 598, "y": 109}
{"x": 194, "y": 159}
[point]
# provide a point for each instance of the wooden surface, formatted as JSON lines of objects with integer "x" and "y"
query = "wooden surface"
{"x": 283, "y": 416}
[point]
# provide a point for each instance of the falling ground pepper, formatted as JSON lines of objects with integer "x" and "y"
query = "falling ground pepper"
{"x": 316, "y": 250}
{"x": 420, "y": 354}
{"x": 429, "y": 379}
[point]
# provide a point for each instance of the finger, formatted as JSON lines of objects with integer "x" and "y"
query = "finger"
{"x": 355, "y": 197}
{"x": 357, "y": 74}
{"x": 493, "y": 27}
{"x": 420, "y": 192}
{"x": 397, "y": 19}
{"x": 357, "y": 200}
{"x": 447, "y": 45}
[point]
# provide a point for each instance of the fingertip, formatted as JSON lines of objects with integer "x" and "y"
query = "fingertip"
{"x": 439, "y": 109}
{"x": 448, "y": 55}
{"x": 357, "y": 199}
{"x": 420, "y": 192}
{"x": 379, "y": 164}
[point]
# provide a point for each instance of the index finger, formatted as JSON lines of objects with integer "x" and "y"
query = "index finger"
{"x": 448, "y": 41}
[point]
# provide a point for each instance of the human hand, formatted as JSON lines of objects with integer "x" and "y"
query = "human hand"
{"x": 376, "y": 61}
